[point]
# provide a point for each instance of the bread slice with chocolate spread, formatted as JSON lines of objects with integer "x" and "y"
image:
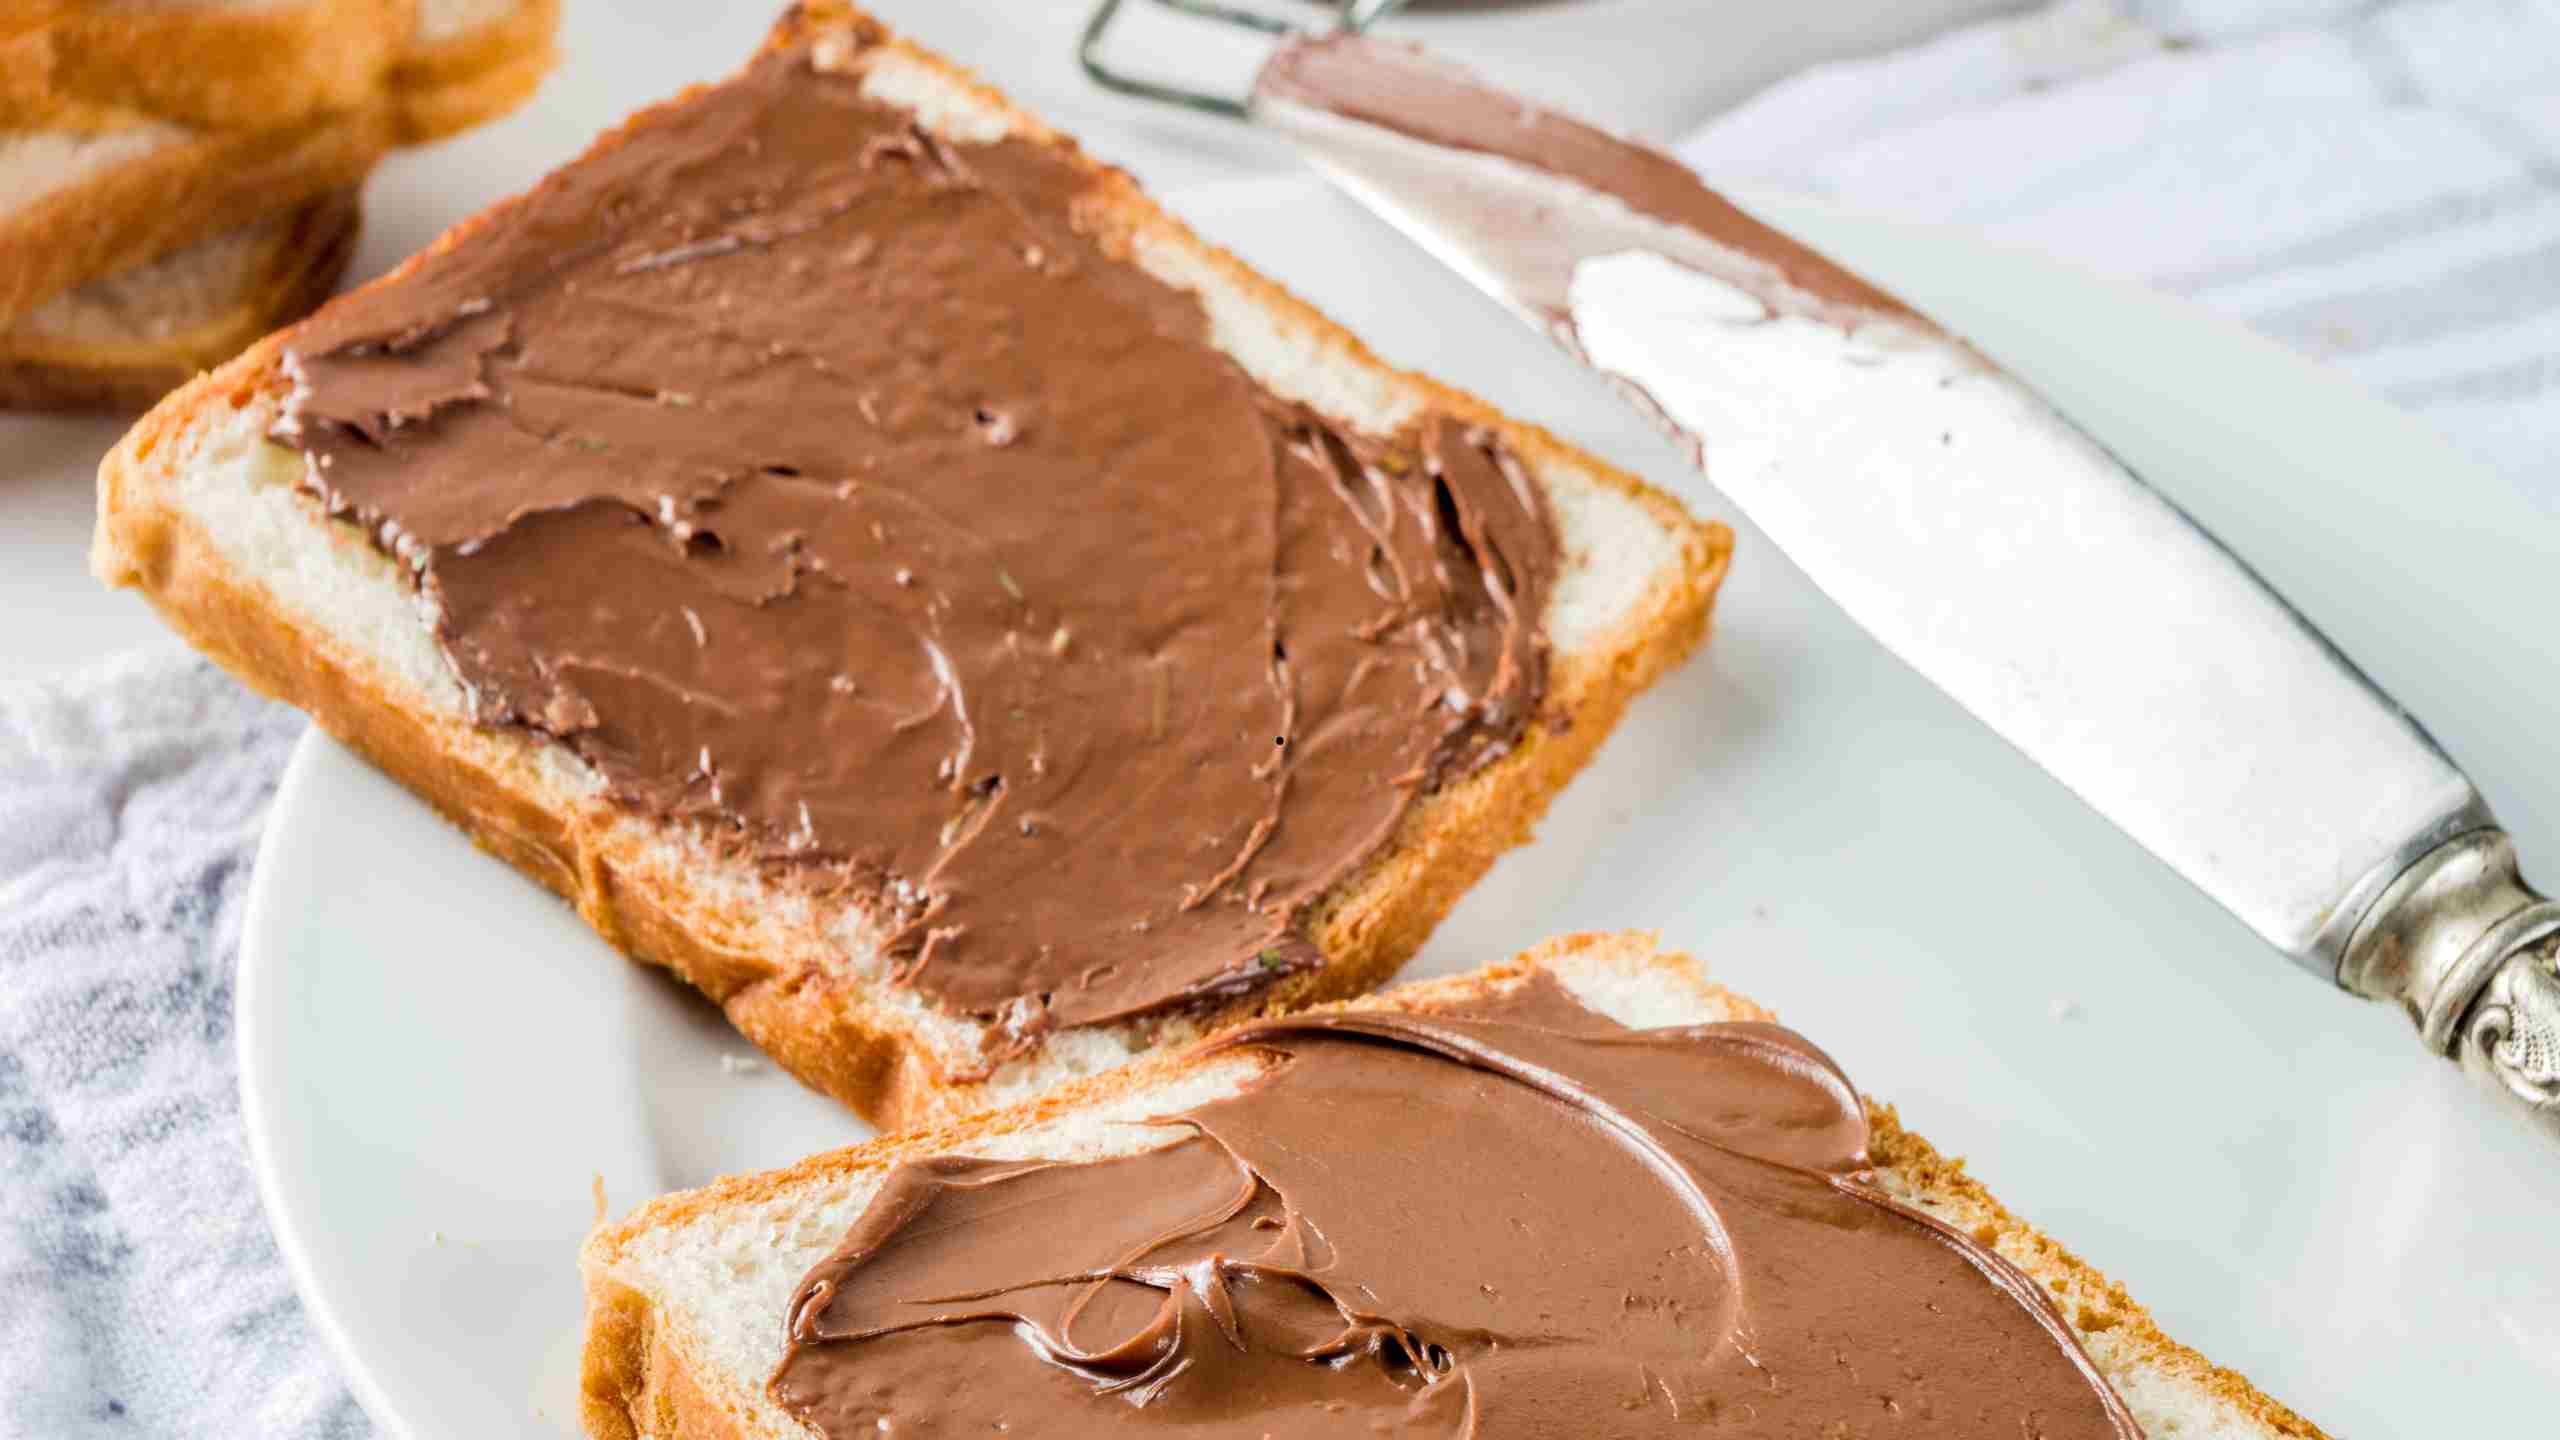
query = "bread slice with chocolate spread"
{"x": 878, "y": 565}
{"x": 1862, "y": 1284}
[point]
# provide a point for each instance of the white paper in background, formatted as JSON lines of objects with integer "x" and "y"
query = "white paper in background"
{"x": 2376, "y": 186}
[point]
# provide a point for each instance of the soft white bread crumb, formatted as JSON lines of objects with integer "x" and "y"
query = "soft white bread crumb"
{"x": 686, "y": 1298}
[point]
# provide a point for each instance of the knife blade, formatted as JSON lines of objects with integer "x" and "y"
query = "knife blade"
{"x": 1982, "y": 537}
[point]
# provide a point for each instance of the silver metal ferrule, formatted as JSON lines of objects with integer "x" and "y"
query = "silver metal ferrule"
{"x": 2472, "y": 954}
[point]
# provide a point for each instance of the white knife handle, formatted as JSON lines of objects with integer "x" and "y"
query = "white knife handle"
{"x": 2472, "y": 954}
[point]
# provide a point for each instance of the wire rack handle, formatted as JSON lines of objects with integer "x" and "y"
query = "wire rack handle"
{"x": 1353, "y": 15}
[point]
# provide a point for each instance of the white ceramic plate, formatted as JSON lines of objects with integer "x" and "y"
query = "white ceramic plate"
{"x": 440, "y": 1061}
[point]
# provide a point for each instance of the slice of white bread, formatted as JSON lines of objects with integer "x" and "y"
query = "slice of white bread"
{"x": 470, "y": 61}
{"x": 103, "y": 191}
{"x": 210, "y": 520}
{"x": 215, "y": 64}
{"x": 122, "y": 341}
{"x": 685, "y": 1299}
{"x": 269, "y": 64}
{"x": 112, "y": 155}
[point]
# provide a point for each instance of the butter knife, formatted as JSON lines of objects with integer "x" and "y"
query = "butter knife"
{"x": 1982, "y": 537}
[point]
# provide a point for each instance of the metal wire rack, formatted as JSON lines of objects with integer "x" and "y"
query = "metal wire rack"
{"x": 1352, "y": 15}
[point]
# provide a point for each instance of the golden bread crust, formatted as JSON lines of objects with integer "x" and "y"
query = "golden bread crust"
{"x": 218, "y": 66}
{"x": 2116, "y": 1331}
{"x": 443, "y": 88}
{"x": 268, "y": 67}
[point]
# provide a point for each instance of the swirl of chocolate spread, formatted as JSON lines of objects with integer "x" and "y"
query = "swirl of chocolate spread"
{"x": 826, "y": 484}
{"x": 1514, "y": 1219}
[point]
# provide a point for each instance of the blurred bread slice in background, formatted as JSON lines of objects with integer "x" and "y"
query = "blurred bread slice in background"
{"x": 218, "y": 64}
{"x": 117, "y": 189}
{"x": 199, "y": 155}
{"x": 122, "y": 341}
{"x": 444, "y": 65}
{"x": 469, "y": 62}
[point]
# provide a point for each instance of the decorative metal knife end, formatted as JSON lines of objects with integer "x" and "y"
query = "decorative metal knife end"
{"x": 2512, "y": 1040}
{"x": 2472, "y": 954}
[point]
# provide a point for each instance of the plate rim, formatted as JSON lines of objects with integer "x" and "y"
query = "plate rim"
{"x": 261, "y": 1088}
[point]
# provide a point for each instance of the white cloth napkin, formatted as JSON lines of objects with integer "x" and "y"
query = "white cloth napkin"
{"x": 140, "y": 1290}
{"x": 2378, "y": 185}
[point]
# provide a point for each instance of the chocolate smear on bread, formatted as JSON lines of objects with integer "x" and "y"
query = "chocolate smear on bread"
{"x": 822, "y": 483}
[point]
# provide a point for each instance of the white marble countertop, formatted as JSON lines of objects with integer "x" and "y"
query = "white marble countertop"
{"x": 1653, "y": 66}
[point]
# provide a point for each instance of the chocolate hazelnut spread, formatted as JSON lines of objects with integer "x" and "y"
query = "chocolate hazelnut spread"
{"x": 824, "y": 484}
{"x": 1514, "y": 1219}
{"x": 1403, "y": 89}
